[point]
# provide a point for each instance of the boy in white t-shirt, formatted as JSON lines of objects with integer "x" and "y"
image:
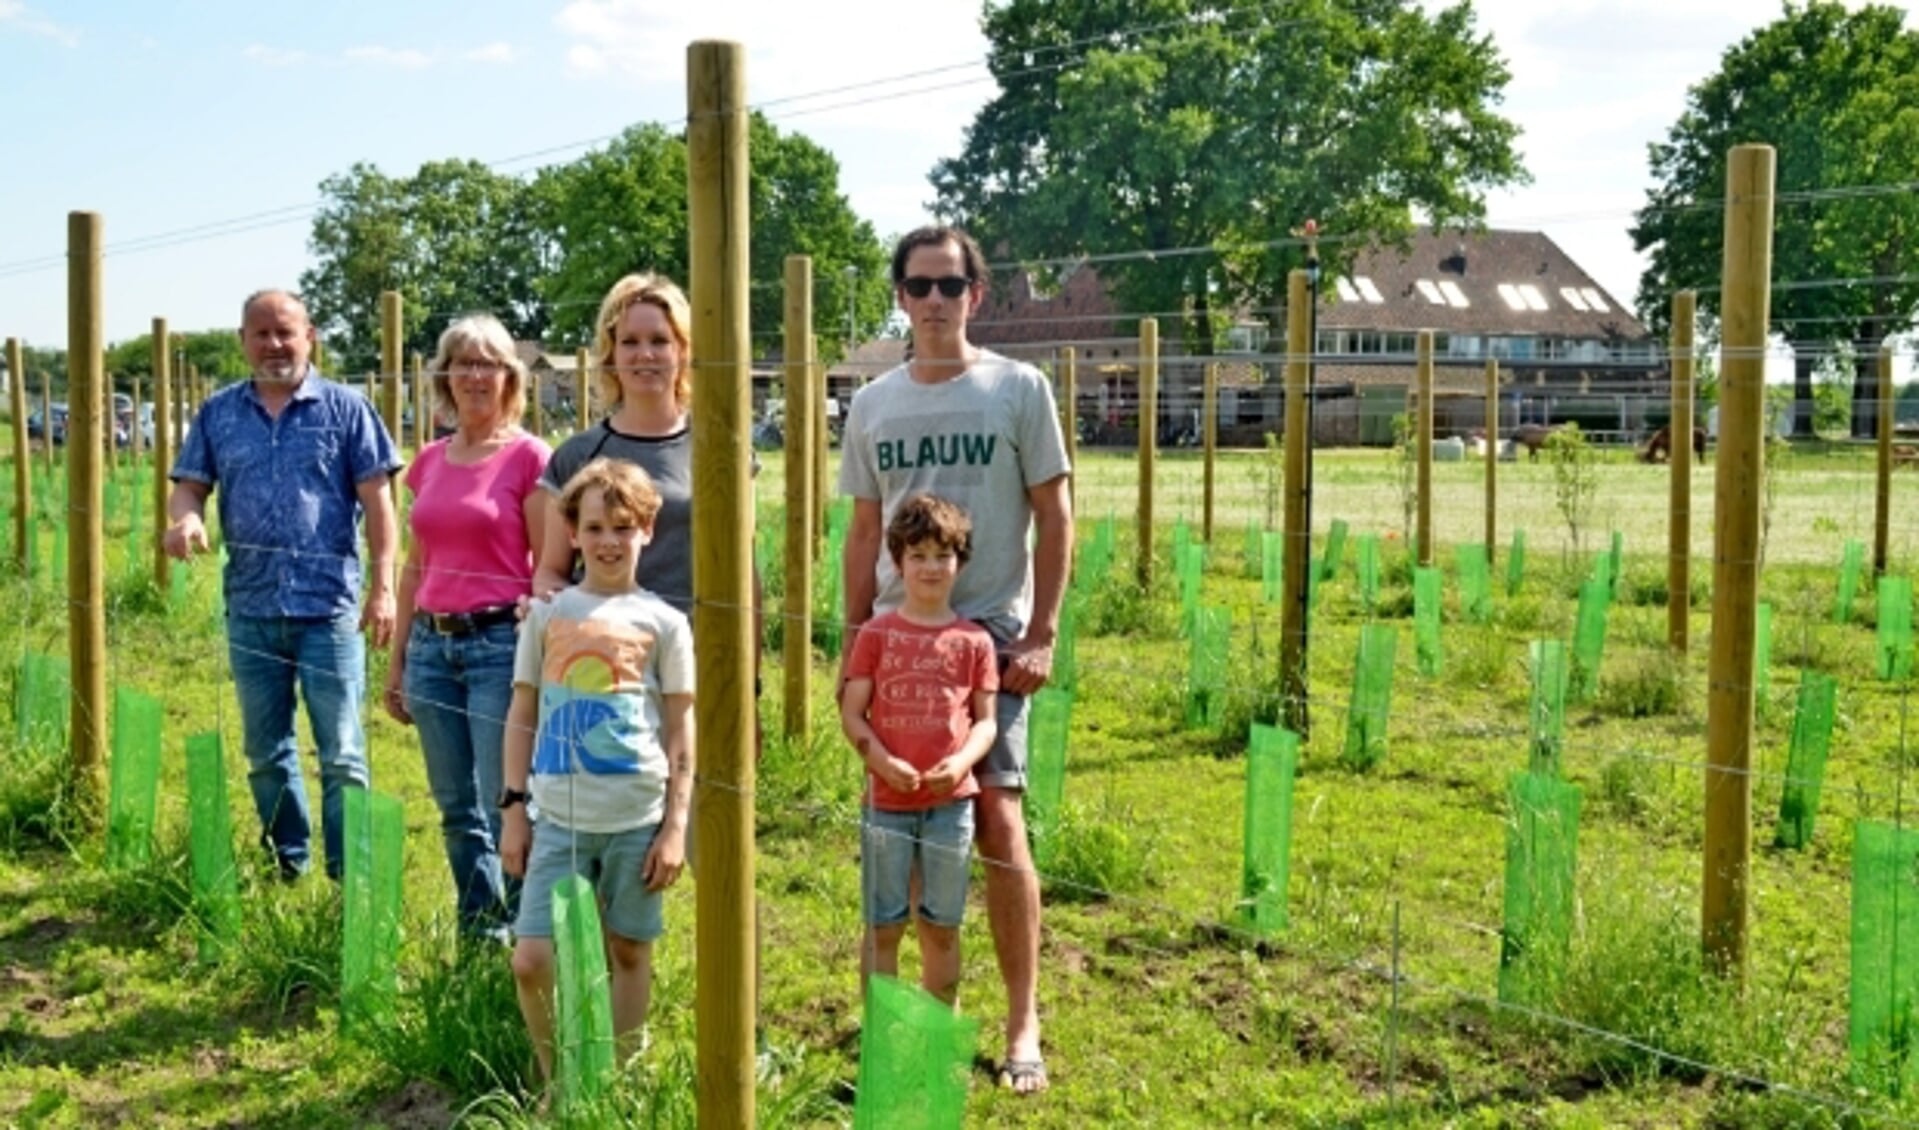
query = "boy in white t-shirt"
{"x": 605, "y": 669}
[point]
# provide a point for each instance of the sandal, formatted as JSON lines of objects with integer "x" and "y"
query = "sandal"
{"x": 1024, "y": 1076}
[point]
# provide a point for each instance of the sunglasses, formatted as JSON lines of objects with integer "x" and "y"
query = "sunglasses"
{"x": 919, "y": 286}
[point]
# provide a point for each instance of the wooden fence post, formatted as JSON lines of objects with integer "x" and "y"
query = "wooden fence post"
{"x": 1148, "y": 443}
{"x": 86, "y": 588}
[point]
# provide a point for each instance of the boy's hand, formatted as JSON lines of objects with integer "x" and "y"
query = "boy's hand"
{"x": 665, "y": 859}
{"x": 516, "y": 836}
{"x": 943, "y": 778}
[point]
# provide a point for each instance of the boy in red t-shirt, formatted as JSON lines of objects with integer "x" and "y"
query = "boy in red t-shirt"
{"x": 918, "y": 704}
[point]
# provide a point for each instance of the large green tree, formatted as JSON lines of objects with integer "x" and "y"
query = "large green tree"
{"x": 1148, "y": 126}
{"x": 1836, "y": 92}
{"x": 454, "y": 238}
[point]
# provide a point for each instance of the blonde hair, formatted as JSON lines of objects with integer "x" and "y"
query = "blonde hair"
{"x": 654, "y": 290}
{"x": 484, "y": 334}
{"x": 626, "y": 490}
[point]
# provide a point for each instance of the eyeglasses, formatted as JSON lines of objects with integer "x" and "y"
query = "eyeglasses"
{"x": 919, "y": 286}
{"x": 478, "y": 366}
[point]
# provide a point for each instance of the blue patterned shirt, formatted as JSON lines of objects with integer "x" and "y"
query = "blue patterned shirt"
{"x": 289, "y": 508}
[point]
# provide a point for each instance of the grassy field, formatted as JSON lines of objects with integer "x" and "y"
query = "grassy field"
{"x": 1377, "y": 1006}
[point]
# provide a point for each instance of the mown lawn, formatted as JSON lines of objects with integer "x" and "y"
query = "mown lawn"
{"x": 1160, "y": 1011}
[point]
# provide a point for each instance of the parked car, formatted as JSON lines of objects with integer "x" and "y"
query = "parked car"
{"x": 36, "y": 429}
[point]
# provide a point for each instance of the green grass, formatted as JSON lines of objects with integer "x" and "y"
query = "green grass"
{"x": 1158, "y": 1011}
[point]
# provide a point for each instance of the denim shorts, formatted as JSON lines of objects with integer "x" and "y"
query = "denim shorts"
{"x": 936, "y": 841}
{"x": 1004, "y": 766}
{"x": 611, "y": 861}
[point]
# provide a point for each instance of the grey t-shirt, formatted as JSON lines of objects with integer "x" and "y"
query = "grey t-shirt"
{"x": 666, "y": 564}
{"x": 980, "y": 440}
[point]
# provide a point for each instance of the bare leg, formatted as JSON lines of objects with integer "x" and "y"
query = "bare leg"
{"x": 533, "y": 981}
{"x": 632, "y": 992}
{"x": 940, "y": 961}
{"x": 881, "y": 953}
{"x": 1012, "y": 909}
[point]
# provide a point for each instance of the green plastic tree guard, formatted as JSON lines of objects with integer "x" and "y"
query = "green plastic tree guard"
{"x": 375, "y": 832}
{"x": 1475, "y": 583}
{"x": 1371, "y": 703}
{"x": 1335, "y": 550}
{"x": 1516, "y": 564}
{"x": 1589, "y": 638}
{"x": 1066, "y": 644}
{"x": 1272, "y": 761}
{"x": 1366, "y": 565}
{"x": 1547, "y": 717}
{"x": 1426, "y": 601}
{"x": 1272, "y": 574}
{"x": 1050, "y": 724}
{"x": 1762, "y": 653}
{"x": 41, "y": 693}
{"x": 916, "y": 1057}
{"x": 133, "y": 780}
{"x": 1252, "y": 561}
{"x": 1895, "y": 628}
{"x": 1885, "y": 938}
{"x": 1849, "y": 566}
{"x": 583, "y": 1007}
{"x": 1615, "y": 562}
{"x": 1206, "y": 669}
{"x": 1542, "y": 838}
{"x": 1806, "y": 761}
{"x": 216, "y": 893}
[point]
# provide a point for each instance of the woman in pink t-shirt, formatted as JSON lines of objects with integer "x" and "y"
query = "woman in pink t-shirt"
{"x": 475, "y": 522}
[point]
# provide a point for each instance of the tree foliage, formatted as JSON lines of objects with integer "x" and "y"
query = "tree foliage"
{"x": 539, "y": 253}
{"x": 1137, "y": 125}
{"x": 1836, "y": 93}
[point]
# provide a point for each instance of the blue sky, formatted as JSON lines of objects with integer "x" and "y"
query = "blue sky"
{"x": 166, "y": 116}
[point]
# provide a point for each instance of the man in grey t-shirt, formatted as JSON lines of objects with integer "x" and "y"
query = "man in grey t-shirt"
{"x": 979, "y": 430}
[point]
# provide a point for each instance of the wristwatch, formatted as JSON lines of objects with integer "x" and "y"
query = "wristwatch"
{"x": 510, "y": 796}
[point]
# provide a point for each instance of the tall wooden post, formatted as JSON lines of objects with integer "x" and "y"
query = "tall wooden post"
{"x": 1298, "y": 539}
{"x": 1738, "y": 485}
{"x": 179, "y": 421}
{"x": 1209, "y": 440}
{"x": 1492, "y": 459}
{"x": 797, "y": 649}
{"x": 722, "y": 578}
{"x": 86, "y": 587}
{"x": 582, "y": 388}
{"x": 1423, "y": 435}
{"x": 1679, "y": 518}
{"x": 390, "y": 361}
{"x": 422, "y": 432}
{"x": 46, "y": 422}
{"x": 162, "y": 450}
{"x": 1069, "y": 415}
{"x": 822, "y": 392}
{"x": 535, "y": 407}
{"x": 1882, "y": 494}
{"x": 22, "y": 460}
{"x": 1148, "y": 442}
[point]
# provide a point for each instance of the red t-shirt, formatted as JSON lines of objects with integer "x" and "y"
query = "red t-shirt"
{"x": 922, "y": 706}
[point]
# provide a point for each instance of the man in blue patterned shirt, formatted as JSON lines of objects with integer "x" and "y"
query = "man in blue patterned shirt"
{"x": 296, "y": 459}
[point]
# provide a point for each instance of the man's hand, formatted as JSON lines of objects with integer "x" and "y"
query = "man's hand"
{"x": 185, "y": 537}
{"x": 943, "y": 778}
{"x": 516, "y": 837}
{"x": 379, "y": 614}
{"x": 1029, "y": 664}
{"x": 395, "y": 696}
{"x": 665, "y": 859}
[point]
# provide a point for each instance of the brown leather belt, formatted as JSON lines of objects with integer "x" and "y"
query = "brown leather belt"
{"x": 467, "y": 623}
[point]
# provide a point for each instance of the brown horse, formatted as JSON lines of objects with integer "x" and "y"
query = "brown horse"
{"x": 1658, "y": 449}
{"x": 1532, "y": 437}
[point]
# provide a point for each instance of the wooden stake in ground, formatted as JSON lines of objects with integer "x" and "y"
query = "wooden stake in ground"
{"x": 797, "y": 646}
{"x": 1209, "y": 442}
{"x": 1679, "y": 452}
{"x": 1738, "y": 484}
{"x": 822, "y": 392}
{"x": 22, "y": 463}
{"x": 1069, "y": 414}
{"x": 582, "y": 389}
{"x": 390, "y": 362}
{"x": 1423, "y": 435}
{"x": 162, "y": 450}
{"x": 1148, "y": 443}
{"x": 422, "y": 433}
{"x": 1882, "y": 493}
{"x": 725, "y": 997}
{"x": 1298, "y": 540}
{"x": 46, "y": 422}
{"x": 1492, "y": 459}
{"x": 86, "y": 588}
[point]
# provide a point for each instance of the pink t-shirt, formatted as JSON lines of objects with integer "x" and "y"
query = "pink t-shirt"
{"x": 922, "y": 706}
{"x": 469, "y": 522}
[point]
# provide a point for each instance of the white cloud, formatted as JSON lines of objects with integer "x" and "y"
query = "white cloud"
{"x": 16, "y": 14}
{"x": 406, "y": 58}
{"x": 584, "y": 60}
{"x": 491, "y": 53}
{"x": 272, "y": 56}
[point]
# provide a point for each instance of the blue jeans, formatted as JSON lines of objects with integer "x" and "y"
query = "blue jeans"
{"x": 458, "y": 689}
{"x": 328, "y": 661}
